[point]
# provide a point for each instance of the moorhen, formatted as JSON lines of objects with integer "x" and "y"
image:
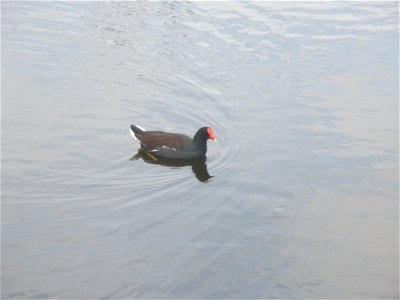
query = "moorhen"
{"x": 173, "y": 145}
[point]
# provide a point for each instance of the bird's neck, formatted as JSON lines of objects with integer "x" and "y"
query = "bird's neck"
{"x": 200, "y": 141}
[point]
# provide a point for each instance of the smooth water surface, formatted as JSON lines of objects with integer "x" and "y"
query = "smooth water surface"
{"x": 298, "y": 199}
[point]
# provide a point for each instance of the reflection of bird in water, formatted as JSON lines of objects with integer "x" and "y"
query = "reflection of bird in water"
{"x": 199, "y": 166}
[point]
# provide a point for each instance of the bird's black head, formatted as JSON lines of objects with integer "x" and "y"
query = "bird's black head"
{"x": 203, "y": 134}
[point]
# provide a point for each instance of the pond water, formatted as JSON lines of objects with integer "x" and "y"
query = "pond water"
{"x": 298, "y": 199}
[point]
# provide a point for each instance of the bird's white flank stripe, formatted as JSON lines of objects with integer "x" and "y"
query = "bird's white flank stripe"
{"x": 170, "y": 148}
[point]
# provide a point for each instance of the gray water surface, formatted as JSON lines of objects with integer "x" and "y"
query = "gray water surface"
{"x": 298, "y": 199}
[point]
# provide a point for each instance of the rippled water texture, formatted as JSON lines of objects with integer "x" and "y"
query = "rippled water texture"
{"x": 298, "y": 199}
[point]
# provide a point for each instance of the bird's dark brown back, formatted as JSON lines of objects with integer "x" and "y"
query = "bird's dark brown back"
{"x": 156, "y": 139}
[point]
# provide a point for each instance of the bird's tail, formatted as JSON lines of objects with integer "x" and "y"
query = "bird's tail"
{"x": 137, "y": 129}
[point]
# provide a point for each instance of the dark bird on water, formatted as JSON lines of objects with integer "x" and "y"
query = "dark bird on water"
{"x": 173, "y": 145}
